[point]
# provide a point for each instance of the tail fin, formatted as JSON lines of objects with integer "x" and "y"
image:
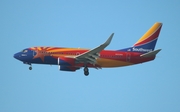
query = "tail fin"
{"x": 148, "y": 41}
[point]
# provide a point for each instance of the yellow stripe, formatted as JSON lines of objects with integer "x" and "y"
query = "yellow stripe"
{"x": 49, "y": 48}
{"x": 61, "y": 50}
{"x": 45, "y": 47}
{"x": 112, "y": 63}
{"x": 33, "y": 48}
{"x": 39, "y": 48}
{"x": 154, "y": 28}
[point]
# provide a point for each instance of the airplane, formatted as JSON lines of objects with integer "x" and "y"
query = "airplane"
{"x": 72, "y": 59}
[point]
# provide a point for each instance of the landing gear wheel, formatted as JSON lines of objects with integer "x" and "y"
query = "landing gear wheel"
{"x": 30, "y": 68}
{"x": 86, "y": 71}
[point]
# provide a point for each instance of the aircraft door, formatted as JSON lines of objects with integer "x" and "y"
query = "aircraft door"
{"x": 128, "y": 57}
{"x": 77, "y": 53}
{"x": 33, "y": 53}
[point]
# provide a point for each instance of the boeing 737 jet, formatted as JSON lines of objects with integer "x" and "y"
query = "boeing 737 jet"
{"x": 72, "y": 59}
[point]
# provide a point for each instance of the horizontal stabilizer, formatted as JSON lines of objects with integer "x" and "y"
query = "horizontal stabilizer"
{"x": 149, "y": 54}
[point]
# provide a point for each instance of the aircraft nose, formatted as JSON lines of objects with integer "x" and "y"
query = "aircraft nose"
{"x": 16, "y": 55}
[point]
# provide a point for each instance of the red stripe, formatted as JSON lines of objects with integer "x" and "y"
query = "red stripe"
{"x": 152, "y": 37}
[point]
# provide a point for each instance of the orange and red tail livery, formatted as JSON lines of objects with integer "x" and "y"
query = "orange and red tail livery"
{"x": 148, "y": 41}
{"x": 72, "y": 59}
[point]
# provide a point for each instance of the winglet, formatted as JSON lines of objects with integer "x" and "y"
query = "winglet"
{"x": 109, "y": 40}
{"x": 149, "y": 54}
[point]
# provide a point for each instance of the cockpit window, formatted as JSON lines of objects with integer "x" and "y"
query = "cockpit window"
{"x": 24, "y": 51}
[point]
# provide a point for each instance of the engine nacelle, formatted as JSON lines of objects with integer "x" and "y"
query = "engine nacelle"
{"x": 68, "y": 68}
{"x": 67, "y": 64}
{"x": 64, "y": 61}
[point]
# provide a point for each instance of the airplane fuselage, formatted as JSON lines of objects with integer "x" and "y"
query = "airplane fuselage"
{"x": 107, "y": 58}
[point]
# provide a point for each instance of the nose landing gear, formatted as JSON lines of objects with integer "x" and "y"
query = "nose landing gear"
{"x": 30, "y": 68}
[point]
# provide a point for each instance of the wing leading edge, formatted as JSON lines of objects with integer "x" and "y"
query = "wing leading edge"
{"x": 92, "y": 55}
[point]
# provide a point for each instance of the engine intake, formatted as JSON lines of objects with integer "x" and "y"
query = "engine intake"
{"x": 66, "y": 61}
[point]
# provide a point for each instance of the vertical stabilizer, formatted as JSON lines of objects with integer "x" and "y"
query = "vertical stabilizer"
{"x": 148, "y": 41}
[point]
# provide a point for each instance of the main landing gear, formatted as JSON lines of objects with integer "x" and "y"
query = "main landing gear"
{"x": 86, "y": 71}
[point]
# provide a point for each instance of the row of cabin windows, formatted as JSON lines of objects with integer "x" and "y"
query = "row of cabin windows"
{"x": 112, "y": 56}
{"x": 109, "y": 56}
{"x": 57, "y": 53}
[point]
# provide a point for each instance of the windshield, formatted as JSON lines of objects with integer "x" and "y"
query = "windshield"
{"x": 24, "y": 51}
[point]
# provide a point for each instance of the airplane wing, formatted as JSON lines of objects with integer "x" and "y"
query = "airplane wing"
{"x": 91, "y": 55}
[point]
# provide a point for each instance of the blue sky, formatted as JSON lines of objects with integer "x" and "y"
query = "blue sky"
{"x": 147, "y": 87}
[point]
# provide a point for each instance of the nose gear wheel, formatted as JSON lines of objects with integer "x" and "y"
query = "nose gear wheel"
{"x": 30, "y": 68}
